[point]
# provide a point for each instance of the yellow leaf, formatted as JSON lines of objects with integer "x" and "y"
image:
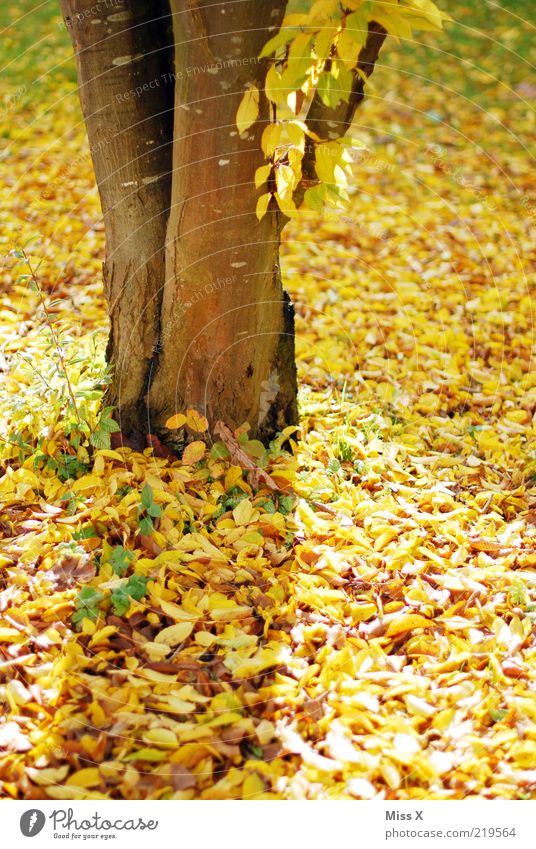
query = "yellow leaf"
{"x": 230, "y": 614}
{"x": 430, "y": 12}
{"x": 204, "y": 638}
{"x": 175, "y": 634}
{"x": 271, "y": 138}
{"x": 248, "y": 109}
{"x": 265, "y": 731}
{"x": 196, "y": 421}
{"x": 262, "y": 205}
{"x": 294, "y": 20}
{"x": 262, "y": 174}
{"x": 85, "y": 777}
{"x": 174, "y": 611}
{"x": 193, "y": 452}
{"x": 147, "y": 755}
{"x": 87, "y": 482}
{"x": 286, "y": 205}
{"x": 284, "y": 177}
{"x": 407, "y": 623}
{"x": 156, "y": 651}
{"x": 162, "y": 737}
{"x": 244, "y": 668}
{"x": 243, "y": 512}
{"x": 102, "y": 635}
{"x": 232, "y": 476}
{"x": 44, "y": 777}
{"x": 10, "y": 635}
{"x": 252, "y": 787}
{"x": 176, "y": 421}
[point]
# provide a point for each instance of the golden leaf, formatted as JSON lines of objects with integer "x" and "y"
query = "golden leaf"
{"x": 175, "y": 634}
{"x": 407, "y": 622}
{"x": 248, "y": 109}
{"x": 193, "y": 452}
{"x": 176, "y": 421}
{"x": 196, "y": 421}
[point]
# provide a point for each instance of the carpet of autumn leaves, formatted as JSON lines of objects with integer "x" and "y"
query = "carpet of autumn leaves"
{"x": 364, "y": 631}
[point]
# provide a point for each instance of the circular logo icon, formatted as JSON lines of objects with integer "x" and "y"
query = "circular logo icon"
{"x": 31, "y": 822}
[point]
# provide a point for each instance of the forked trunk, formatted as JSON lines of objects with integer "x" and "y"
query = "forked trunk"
{"x": 199, "y": 317}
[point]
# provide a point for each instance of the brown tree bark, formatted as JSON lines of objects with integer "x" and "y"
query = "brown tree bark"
{"x": 200, "y": 319}
{"x": 227, "y": 329}
{"x": 124, "y": 52}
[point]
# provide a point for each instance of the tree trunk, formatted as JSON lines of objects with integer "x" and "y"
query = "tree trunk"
{"x": 124, "y": 53}
{"x": 227, "y": 328}
{"x": 199, "y": 317}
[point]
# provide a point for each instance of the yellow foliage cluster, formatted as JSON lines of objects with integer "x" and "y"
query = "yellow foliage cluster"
{"x": 316, "y": 53}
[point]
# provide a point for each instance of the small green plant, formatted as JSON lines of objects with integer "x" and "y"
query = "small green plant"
{"x": 344, "y": 451}
{"x": 87, "y": 605}
{"x": 33, "y": 282}
{"x": 66, "y": 466}
{"x": 371, "y": 431}
{"x": 135, "y": 588}
{"x": 64, "y": 390}
{"x": 72, "y": 501}
{"x": 147, "y": 511}
{"x": 120, "y": 559}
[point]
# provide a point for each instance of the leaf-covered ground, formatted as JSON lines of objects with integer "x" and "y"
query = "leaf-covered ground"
{"x": 366, "y": 629}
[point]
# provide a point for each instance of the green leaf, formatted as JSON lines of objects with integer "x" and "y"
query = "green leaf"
{"x": 357, "y": 26}
{"x": 300, "y": 62}
{"x": 146, "y": 526}
{"x": 88, "y": 532}
{"x": 286, "y": 504}
{"x": 120, "y": 601}
{"x": 154, "y": 510}
{"x": 79, "y": 615}
{"x": 137, "y": 586}
{"x": 218, "y": 451}
{"x": 121, "y": 559}
{"x": 88, "y": 597}
{"x": 100, "y": 439}
{"x": 87, "y": 605}
{"x": 108, "y": 425}
{"x": 147, "y": 496}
